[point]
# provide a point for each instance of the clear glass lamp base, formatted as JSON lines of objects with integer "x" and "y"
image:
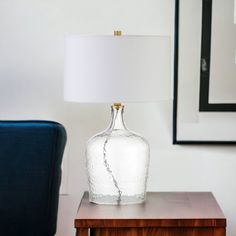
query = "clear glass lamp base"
{"x": 112, "y": 200}
{"x": 117, "y": 164}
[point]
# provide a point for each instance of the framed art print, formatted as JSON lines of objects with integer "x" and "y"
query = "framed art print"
{"x": 204, "y": 72}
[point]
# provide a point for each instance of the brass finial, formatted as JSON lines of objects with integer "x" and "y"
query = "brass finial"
{"x": 117, "y": 33}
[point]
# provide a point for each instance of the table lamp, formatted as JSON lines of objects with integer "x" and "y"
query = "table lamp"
{"x": 116, "y": 69}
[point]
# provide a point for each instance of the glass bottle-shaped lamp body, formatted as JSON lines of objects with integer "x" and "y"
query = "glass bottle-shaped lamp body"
{"x": 117, "y": 164}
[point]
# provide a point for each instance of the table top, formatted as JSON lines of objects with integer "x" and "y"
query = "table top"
{"x": 198, "y": 209}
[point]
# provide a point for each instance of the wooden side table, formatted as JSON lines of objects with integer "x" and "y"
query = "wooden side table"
{"x": 163, "y": 214}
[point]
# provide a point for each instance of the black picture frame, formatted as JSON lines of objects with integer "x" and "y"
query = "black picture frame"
{"x": 205, "y": 54}
{"x": 204, "y": 104}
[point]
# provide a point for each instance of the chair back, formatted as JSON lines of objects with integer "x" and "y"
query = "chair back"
{"x": 30, "y": 175}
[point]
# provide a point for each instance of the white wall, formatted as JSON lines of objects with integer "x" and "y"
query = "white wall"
{"x": 31, "y": 87}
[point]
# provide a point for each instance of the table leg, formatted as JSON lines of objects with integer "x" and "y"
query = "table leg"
{"x": 81, "y": 232}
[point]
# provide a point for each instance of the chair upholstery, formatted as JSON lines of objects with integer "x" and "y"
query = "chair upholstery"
{"x": 30, "y": 176}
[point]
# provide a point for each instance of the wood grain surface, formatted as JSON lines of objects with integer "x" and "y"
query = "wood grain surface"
{"x": 163, "y": 214}
{"x": 159, "y": 232}
{"x": 161, "y": 209}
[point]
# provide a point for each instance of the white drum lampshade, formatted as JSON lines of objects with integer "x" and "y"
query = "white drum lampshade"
{"x": 108, "y": 69}
{"x": 115, "y": 69}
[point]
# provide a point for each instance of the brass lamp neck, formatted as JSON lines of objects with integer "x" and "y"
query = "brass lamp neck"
{"x": 117, "y": 106}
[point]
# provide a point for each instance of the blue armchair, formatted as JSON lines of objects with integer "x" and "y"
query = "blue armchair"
{"x": 30, "y": 176}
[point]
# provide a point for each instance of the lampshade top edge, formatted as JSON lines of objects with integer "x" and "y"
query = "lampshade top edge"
{"x": 111, "y": 35}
